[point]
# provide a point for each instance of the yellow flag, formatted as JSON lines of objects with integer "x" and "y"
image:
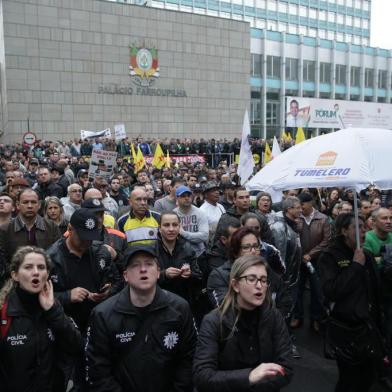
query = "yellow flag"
{"x": 289, "y": 138}
{"x": 133, "y": 153}
{"x": 159, "y": 157}
{"x": 168, "y": 160}
{"x": 300, "y": 136}
{"x": 140, "y": 162}
{"x": 267, "y": 153}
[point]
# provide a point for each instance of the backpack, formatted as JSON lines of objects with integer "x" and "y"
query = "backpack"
{"x": 5, "y": 320}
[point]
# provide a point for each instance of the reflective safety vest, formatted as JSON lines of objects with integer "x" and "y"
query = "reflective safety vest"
{"x": 140, "y": 231}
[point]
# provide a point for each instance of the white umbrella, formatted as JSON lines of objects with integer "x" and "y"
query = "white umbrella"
{"x": 348, "y": 158}
{"x": 354, "y": 157}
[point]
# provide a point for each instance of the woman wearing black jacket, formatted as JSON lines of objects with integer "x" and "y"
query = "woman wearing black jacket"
{"x": 180, "y": 273}
{"x": 244, "y": 345}
{"x": 35, "y": 333}
{"x": 351, "y": 286}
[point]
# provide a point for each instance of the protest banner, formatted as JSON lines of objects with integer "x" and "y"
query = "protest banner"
{"x": 92, "y": 134}
{"x": 119, "y": 132}
{"x": 102, "y": 163}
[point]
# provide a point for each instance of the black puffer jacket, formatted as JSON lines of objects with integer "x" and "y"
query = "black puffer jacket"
{"x": 352, "y": 288}
{"x": 215, "y": 366}
{"x": 149, "y": 352}
{"x": 33, "y": 345}
{"x": 183, "y": 253}
{"x": 218, "y": 284}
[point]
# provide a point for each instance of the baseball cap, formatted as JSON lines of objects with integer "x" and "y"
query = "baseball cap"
{"x": 131, "y": 251}
{"x": 210, "y": 186}
{"x": 94, "y": 205}
{"x": 34, "y": 161}
{"x": 85, "y": 223}
{"x": 21, "y": 182}
{"x": 182, "y": 189}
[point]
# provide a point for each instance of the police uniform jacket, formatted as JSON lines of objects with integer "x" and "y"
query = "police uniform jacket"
{"x": 101, "y": 266}
{"x": 149, "y": 351}
{"x": 351, "y": 290}
{"x": 32, "y": 346}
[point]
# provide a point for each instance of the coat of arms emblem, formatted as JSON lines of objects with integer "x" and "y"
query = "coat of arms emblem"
{"x": 143, "y": 66}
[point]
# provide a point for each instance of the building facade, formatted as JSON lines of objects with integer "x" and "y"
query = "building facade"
{"x": 340, "y": 20}
{"x": 68, "y": 66}
{"x": 304, "y": 48}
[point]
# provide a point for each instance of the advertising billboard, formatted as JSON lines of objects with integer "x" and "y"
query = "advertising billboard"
{"x": 330, "y": 113}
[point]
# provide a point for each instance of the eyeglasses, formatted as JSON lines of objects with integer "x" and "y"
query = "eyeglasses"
{"x": 249, "y": 247}
{"x": 253, "y": 279}
{"x": 76, "y": 191}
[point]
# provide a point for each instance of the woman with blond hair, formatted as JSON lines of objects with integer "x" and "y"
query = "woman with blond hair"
{"x": 244, "y": 345}
{"x": 53, "y": 210}
{"x": 35, "y": 332}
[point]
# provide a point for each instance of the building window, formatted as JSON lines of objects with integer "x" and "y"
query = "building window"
{"x": 340, "y": 74}
{"x": 255, "y": 110}
{"x": 369, "y": 76}
{"x": 291, "y": 69}
{"x": 355, "y": 76}
{"x": 256, "y": 62}
{"x": 272, "y": 113}
{"x": 312, "y": 13}
{"x": 325, "y": 72}
{"x": 382, "y": 79}
{"x": 293, "y": 9}
{"x": 273, "y": 67}
{"x": 322, "y": 15}
{"x": 309, "y": 71}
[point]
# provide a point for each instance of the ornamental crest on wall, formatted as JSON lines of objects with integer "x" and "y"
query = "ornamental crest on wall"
{"x": 143, "y": 67}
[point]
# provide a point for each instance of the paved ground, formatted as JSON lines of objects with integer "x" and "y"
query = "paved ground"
{"x": 313, "y": 373}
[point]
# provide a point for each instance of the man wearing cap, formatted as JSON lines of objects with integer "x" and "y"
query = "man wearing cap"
{"x": 168, "y": 203}
{"x": 143, "y": 338}
{"x": 140, "y": 225}
{"x": 194, "y": 223}
{"x": 114, "y": 240}
{"x": 211, "y": 207}
{"x": 73, "y": 201}
{"x": 16, "y": 186}
{"x": 83, "y": 273}
{"x": 227, "y": 198}
{"x": 31, "y": 175}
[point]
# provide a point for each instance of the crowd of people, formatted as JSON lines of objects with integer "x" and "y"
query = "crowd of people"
{"x": 178, "y": 278}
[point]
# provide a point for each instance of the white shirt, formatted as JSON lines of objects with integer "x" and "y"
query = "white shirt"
{"x": 213, "y": 212}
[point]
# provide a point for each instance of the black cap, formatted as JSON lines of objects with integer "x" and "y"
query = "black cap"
{"x": 196, "y": 188}
{"x": 228, "y": 185}
{"x": 131, "y": 251}
{"x": 210, "y": 186}
{"x": 34, "y": 161}
{"x": 85, "y": 224}
{"x": 81, "y": 172}
{"x": 94, "y": 205}
{"x": 305, "y": 197}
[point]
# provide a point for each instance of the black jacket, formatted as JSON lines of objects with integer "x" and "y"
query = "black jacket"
{"x": 49, "y": 189}
{"x": 103, "y": 270}
{"x": 30, "y": 351}
{"x": 216, "y": 367}
{"x": 217, "y": 255}
{"x": 183, "y": 253}
{"x": 218, "y": 284}
{"x": 265, "y": 231}
{"x": 150, "y": 351}
{"x": 352, "y": 288}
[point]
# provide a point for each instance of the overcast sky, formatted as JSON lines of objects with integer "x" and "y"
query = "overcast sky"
{"x": 381, "y": 24}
